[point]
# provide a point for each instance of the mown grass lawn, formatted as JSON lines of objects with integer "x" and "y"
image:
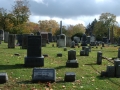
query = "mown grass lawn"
{"x": 87, "y": 75}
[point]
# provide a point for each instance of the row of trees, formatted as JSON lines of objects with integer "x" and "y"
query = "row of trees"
{"x": 99, "y": 28}
{"x": 17, "y": 21}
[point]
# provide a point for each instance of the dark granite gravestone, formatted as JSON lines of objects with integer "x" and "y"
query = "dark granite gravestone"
{"x": 119, "y": 41}
{"x": 88, "y": 39}
{"x": 72, "y": 61}
{"x": 43, "y": 75}
{"x": 50, "y": 37}
{"x": 19, "y": 39}
{"x": 110, "y": 71}
{"x": 73, "y": 44}
{"x": 99, "y": 57}
{"x": 3, "y": 77}
{"x": 45, "y": 36}
{"x": 117, "y": 67}
{"x": 69, "y": 77}
{"x": 118, "y": 52}
{"x": 24, "y": 41}
{"x": 84, "y": 40}
{"x": 86, "y": 51}
{"x": 11, "y": 41}
{"x": 82, "y": 52}
{"x": 6, "y": 34}
{"x": 34, "y": 52}
{"x": 1, "y": 35}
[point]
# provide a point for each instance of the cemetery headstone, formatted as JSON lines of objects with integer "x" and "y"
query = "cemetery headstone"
{"x": 24, "y": 41}
{"x": 118, "y": 52}
{"x": 99, "y": 57}
{"x": 50, "y": 37}
{"x": 44, "y": 42}
{"x": 84, "y": 40}
{"x": 45, "y": 36}
{"x": 68, "y": 41}
{"x": 6, "y": 34}
{"x": 34, "y": 56}
{"x": 119, "y": 41}
{"x": 72, "y": 61}
{"x": 11, "y": 41}
{"x": 110, "y": 71}
{"x": 92, "y": 41}
{"x": 117, "y": 67}
{"x": 1, "y": 35}
{"x": 62, "y": 41}
{"x": 43, "y": 75}
{"x": 88, "y": 39}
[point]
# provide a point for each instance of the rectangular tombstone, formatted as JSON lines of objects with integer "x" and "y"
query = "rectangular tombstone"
{"x": 71, "y": 55}
{"x": 43, "y": 75}
{"x": 62, "y": 41}
{"x": 44, "y": 42}
{"x": 99, "y": 57}
{"x": 45, "y": 36}
{"x": 88, "y": 39}
{"x": 50, "y": 37}
{"x": 34, "y": 57}
{"x": 110, "y": 71}
{"x": 6, "y": 34}
{"x": 1, "y": 35}
{"x": 72, "y": 61}
{"x": 24, "y": 41}
{"x": 34, "y": 46}
{"x": 117, "y": 67}
{"x": 11, "y": 41}
{"x": 68, "y": 41}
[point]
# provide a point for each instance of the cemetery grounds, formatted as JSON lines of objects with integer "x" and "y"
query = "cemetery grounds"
{"x": 87, "y": 74}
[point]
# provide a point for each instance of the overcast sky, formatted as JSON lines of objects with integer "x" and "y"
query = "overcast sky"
{"x": 69, "y": 11}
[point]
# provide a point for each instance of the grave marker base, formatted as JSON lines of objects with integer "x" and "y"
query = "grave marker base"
{"x": 72, "y": 63}
{"x": 34, "y": 61}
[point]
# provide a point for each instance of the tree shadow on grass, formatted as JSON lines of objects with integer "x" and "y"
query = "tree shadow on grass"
{"x": 25, "y": 82}
{"x": 16, "y": 66}
{"x": 91, "y": 64}
{"x": 108, "y": 78}
{"x": 60, "y": 67}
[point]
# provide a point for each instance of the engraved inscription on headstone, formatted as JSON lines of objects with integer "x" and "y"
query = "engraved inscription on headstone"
{"x": 43, "y": 75}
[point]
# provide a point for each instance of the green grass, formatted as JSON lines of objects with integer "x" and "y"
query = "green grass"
{"x": 87, "y": 75}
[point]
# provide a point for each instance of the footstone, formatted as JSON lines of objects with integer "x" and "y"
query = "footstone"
{"x": 69, "y": 77}
{"x": 3, "y": 77}
{"x": 59, "y": 55}
{"x": 72, "y": 63}
{"x": 99, "y": 57}
{"x": 65, "y": 49}
{"x": 43, "y": 75}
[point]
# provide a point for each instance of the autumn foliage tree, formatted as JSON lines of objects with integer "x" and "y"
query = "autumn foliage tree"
{"x": 48, "y": 26}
